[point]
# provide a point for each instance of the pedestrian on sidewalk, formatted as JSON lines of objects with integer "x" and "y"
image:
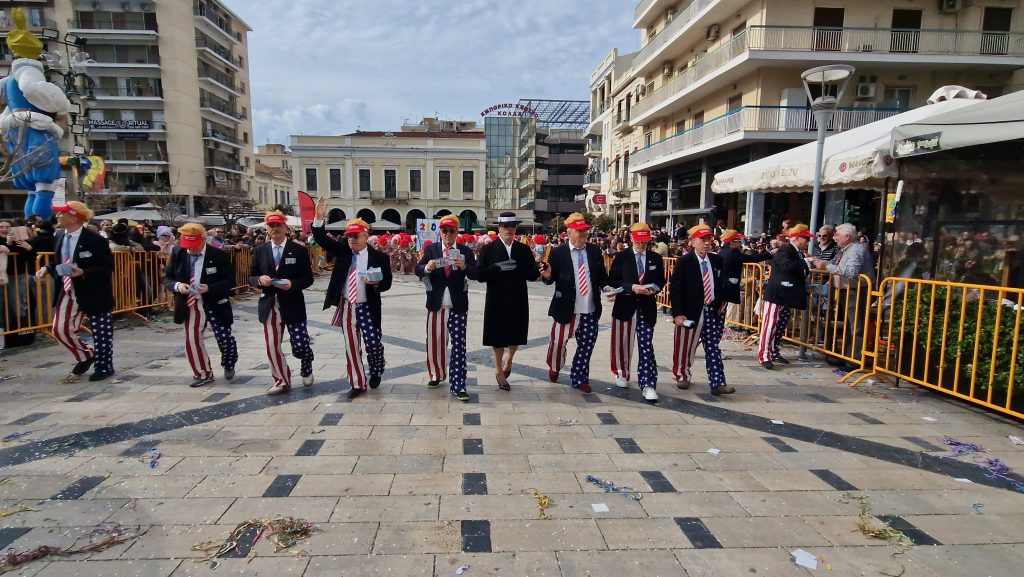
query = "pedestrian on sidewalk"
{"x": 785, "y": 290}
{"x": 640, "y": 274}
{"x": 85, "y": 269}
{"x": 281, "y": 270}
{"x": 361, "y": 274}
{"x": 201, "y": 277}
{"x": 698, "y": 311}
{"x": 506, "y": 266}
{"x": 577, "y": 270}
{"x": 445, "y": 269}
{"x": 733, "y": 259}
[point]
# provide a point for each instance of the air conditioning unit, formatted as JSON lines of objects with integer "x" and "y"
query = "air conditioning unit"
{"x": 713, "y": 31}
{"x": 666, "y": 69}
{"x": 146, "y": 6}
{"x": 951, "y": 5}
{"x": 126, "y": 6}
{"x": 865, "y": 90}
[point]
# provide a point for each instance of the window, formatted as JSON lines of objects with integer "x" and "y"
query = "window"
{"x": 649, "y": 137}
{"x": 734, "y": 102}
{"x": 390, "y": 184}
{"x": 467, "y": 181}
{"x": 444, "y": 181}
{"x": 335, "y": 174}
{"x": 680, "y": 128}
{"x": 364, "y": 180}
{"x": 697, "y": 119}
{"x": 311, "y": 179}
{"x": 245, "y": 139}
{"x": 415, "y": 181}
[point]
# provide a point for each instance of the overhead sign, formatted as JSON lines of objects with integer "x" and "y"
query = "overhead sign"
{"x": 922, "y": 144}
{"x": 600, "y": 199}
{"x": 509, "y": 109}
{"x": 119, "y": 124}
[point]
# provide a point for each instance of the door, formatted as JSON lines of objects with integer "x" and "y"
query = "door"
{"x": 906, "y": 31}
{"x": 390, "y": 185}
{"x": 828, "y": 28}
{"x": 994, "y": 25}
{"x": 899, "y": 97}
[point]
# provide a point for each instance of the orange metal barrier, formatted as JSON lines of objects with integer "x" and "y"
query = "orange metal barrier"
{"x": 23, "y": 309}
{"x": 241, "y": 261}
{"x": 746, "y": 315}
{"x": 138, "y": 281}
{"x": 836, "y": 321}
{"x": 959, "y": 339}
{"x": 663, "y": 298}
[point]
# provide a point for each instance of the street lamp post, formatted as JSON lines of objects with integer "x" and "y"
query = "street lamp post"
{"x": 832, "y": 80}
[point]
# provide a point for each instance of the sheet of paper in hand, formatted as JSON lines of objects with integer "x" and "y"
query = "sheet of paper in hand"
{"x": 507, "y": 265}
{"x": 373, "y": 274}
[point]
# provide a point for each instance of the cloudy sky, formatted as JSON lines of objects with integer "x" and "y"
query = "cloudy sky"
{"x": 329, "y": 67}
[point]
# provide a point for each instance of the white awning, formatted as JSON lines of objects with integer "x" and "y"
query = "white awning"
{"x": 856, "y": 158}
{"x": 993, "y": 120}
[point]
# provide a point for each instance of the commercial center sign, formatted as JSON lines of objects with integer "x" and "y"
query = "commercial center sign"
{"x": 509, "y": 109}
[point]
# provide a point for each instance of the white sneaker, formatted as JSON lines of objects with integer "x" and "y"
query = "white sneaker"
{"x": 307, "y": 381}
{"x": 276, "y": 390}
{"x": 650, "y": 394}
{"x": 621, "y": 383}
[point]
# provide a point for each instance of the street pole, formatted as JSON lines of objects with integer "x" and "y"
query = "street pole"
{"x": 828, "y": 79}
{"x": 822, "y": 117}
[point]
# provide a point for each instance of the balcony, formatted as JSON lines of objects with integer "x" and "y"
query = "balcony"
{"x": 221, "y": 80}
{"x": 807, "y": 46}
{"x": 779, "y": 123}
{"x": 641, "y": 9}
{"x": 222, "y": 137}
{"x": 385, "y": 196}
{"x": 621, "y": 123}
{"x": 592, "y": 149}
{"x": 592, "y": 181}
{"x": 31, "y": 22}
{"x": 226, "y": 165}
{"x": 123, "y": 26}
{"x": 222, "y": 108}
{"x": 618, "y": 188}
{"x": 542, "y": 151}
{"x": 220, "y": 53}
{"x": 135, "y": 93}
{"x": 687, "y": 27}
{"x": 214, "y": 22}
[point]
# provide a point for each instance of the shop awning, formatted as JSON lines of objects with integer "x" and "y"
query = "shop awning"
{"x": 856, "y": 158}
{"x": 993, "y": 120}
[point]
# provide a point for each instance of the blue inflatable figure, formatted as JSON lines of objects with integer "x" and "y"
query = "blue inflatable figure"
{"x": 29, "y": 123}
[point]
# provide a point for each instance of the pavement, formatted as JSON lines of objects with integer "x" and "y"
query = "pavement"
{"x": 408, "y": 481}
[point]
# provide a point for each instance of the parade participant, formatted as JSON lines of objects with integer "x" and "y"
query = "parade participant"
{"x": 361, "y": 273}
{"x": 640, "y": 274}
{"x": 506, "y": 266}
{"x": 281, "y": 270}
{"x": 698, "y": 309}
{"x": 201, "y": 278}
{"x": 577, "y": 270}
{"x": 85, "y": 269}
{"x": 733, "y": 259}
{"x": 786, "y": 289}
{"x": 447, "y": 305}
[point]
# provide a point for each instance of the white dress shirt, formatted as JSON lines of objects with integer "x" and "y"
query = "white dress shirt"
{"x": 452, "y": 251}
{"x": 73, "y": 236}
{"x": 362, "y": 258}
{"x": 508, "y": 247}
{"x": 197, "y": 270}
{"x": 584, "y": 303}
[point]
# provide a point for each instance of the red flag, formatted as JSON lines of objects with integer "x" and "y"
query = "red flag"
{"x": 306, "y": 212}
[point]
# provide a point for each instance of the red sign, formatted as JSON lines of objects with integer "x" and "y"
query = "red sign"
{"x": 600, "y": 199}
{"x": 307, "y": 211}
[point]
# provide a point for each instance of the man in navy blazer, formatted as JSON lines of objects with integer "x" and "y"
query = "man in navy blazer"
{"x": 281, "y": 270}
{"x": 577, "y": 270}
{"x": 698, "y": 311}
{"x": 446, "y": 268}
{"x": 356, "y": 296}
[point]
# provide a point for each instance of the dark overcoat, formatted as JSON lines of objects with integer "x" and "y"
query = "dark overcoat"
{"x": 787, "y": 285}
{"x": 506, "y": 307}
{"x": 218, "y": 275}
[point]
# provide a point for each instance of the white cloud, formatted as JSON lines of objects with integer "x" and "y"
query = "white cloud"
{"x": 327, "y": 67}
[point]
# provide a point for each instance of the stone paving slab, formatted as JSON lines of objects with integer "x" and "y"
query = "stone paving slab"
{"x": 407, "y": 481}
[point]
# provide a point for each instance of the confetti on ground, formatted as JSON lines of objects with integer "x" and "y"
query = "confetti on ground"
{"x": 284, "y": 532}
{"x": 462, "y": 569}
{"x": 543, "y": 502}
{"x": 963, "y": 480}
{"x": 317, "y": 432}
{"x": 976, "y": 507}
{"x": 805, "y": 559}
{"x": 778, "y": 422}
{"x": 9, "y": 377}
{"x": 714, "y": 451}
{"x": 873, "y": 528}
{"x": 58, "y": 445}
{"x": 19, "y": 508}
{"x": 153, "y": 456}
{"x": 566, "y": 422}
{"x": 100, "y": 539}
{"x": 600, "y": 508}
{"x": 961, "y": 447}
{"x": 609, "y": 487}
{"x": 930, "y": 419}
{"x": 1016, "y": 441}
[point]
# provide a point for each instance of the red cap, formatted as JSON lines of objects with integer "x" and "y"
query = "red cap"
{"x": 703, "y": 233}
{"x": 641, "y": 235}
{"x": 539, "y": 239}
{"x": 275, "y": 219}
{"x": 355, "y": 229}
{"x": 578, "y": 225}
{"x": 71, "y": 210}
{"x": 191, "y": 241}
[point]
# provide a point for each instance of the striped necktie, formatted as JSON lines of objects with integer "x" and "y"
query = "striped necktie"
{"x": 353, "y": 271}
{"x": 277, "y": 257}
{"x": 640, "y": 268}
{"x": 193, "y": 278}
{"x": 447, "y": 267}
{"x": 706, "y": 274}
{"x": 67, "y": 260}
{"x": 581, "y": 273}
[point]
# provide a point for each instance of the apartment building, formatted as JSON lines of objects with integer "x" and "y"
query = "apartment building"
{"x": 395, "y": 178}
{"x": 167, "y": 99}
{"x": 717, "y": 84}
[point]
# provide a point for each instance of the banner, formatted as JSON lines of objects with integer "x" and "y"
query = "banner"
{"x": 306, "y": 212}
{"x": 427, "y": 229}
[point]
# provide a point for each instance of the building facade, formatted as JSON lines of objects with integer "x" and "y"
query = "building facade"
{"x": 167, "y": 97}
{"x": 717, "y": 84}
{"x": 274, "y": 183}
{"x": 394, "y": 177}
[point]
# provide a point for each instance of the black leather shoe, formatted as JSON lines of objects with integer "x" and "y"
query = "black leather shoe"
{"x": 683, "y": 385}
{"x": 201, "y": 381}
{"x": 229, "y": 374}
{"x": 723, "y": 390}
{"x": 374, "y": 382}
{"x": 768, "y": 365}
{"x": 353, "y": 393}
{"x": 100, "y": 375}
{"x": 781, "y": 361}
{"x": 432, "y": 384}
{"x": 82, "y": 367}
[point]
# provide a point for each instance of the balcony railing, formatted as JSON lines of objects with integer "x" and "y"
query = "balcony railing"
{"x": 641, "y": 7}
{"x": 221, "y": 107}
{"x": 127, "y": 23}
{"x": 757, "y": 118}
{"x": 147, "y": 91}
{"x": 225, "y": 164}
{"x": 222, "y": 79}
{"x": 592, "y": 178}
{"x": 7, "y": 23}
{"x": 382, "y": 196}
{"x": 848, "y": 40}
{"x": 593, "y": 148}
{"x": 221, "y": 136}
{"x": 682, "y": 19}
{"x": 203, "y": 42}
{"x": 201, "y": 10}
